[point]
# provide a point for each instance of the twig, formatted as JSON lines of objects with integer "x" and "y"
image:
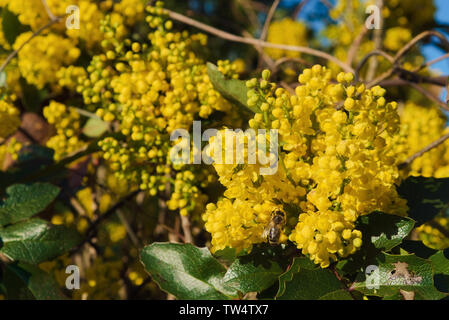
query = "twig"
{"x": 47, "y": 8}
{"x": 255, "y": 42}
{"x": 128, "y": 228}
{"x": 418, "y": 154}
{"x": 263, "y": 35}
{"x": 93, "y": 228}
{"x": 373, "y": 53}
{"x": 430, "y": 96}
{"x": 262, "y": 54}
{"x": 355, "y": 46}
{"x": 440, "y": 81}
{"x": 418, "y": 38}
{"x": 431, "y": 62}
{"x": 299, "y": 8}
{"x": 185, "y": 223}
{"x": 377, "y": 44}
{"x": 35, "y": 34}
{"x": 287, "y": 87}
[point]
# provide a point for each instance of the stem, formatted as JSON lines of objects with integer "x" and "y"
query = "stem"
{"x": 255, "y": 42}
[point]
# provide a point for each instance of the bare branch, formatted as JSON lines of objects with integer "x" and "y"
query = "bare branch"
{"x": 47, "y": 8}
{"x": 377, "y": 44}
{"x": 418, "y": 154}
{"x": 299, "y": 8}
{"x": 355, "y": 46}
{"x": 255, "y": 42}
{"x": 432, "y": 62}
{"x": 263, "y": 35}
{"x": 185, "y": 223}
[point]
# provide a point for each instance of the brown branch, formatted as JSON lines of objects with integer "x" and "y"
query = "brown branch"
{"x": 92, "y": 230}
{"x": 185, "y": 223}
{"x": 270, "y": 15}
{"x": 47, "y": 8}
{"x": 431, "y": 62}
{"x": 368, "y": 56}
{"x": 372, "y": 68}
{"x": 299, "y": 8}
{"x": 418, "y": 38}
{"x": 418, "y": 154}
{"x": 430, "y": 96}
{"x": 255, "y": 42}
{"x": 355, "y": 46}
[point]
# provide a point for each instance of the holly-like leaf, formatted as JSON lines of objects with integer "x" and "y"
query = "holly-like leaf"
{"x": 32, "y": 97}
{"x": 385, "y": 231}
{"x": 24, "y": 201}
{"x": 27, "y": 282}
{"x": 95, "y": 127}
{"x": 233, "y": 90}
{"x": 380, "y": 232}
{"x": 440, "y": 263}
{"x": 249, "y": 275}
{"x": 306, "y": 281}
{"x": 35, "y": 241}
{"x": 394, "y": 276}
{"x": 185, "y": 271}
{"x": 426, "y": 197}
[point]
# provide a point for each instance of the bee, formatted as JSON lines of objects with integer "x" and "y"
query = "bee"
{"x": 274, "y": 229}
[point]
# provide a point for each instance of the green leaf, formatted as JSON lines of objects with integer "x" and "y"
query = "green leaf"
{"x": 385, "y": 231}
{"x": 249, "y": 275}
{"x": 11, "y": 26}
{"x": 426, "y": 197}
{"x": 306, "y": 281}
{"x": 24, "y": 201}
{"x": 32, "y": 97}
{"x": 233, "y": 90}
{"x": 185, "y": 271}
{"x": 95, "y": 127}
{"x": 399, "y": 272}
{"x": 35, "y": 241}
{"x": 380, "y": 232}
{"x": 27, "y": 282}
{"x": 440, "y": 263}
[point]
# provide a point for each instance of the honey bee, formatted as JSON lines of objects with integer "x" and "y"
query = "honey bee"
{"x": 274, "y": 229}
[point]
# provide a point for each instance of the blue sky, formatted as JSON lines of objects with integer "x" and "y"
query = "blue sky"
{"x": 430, "y": 52}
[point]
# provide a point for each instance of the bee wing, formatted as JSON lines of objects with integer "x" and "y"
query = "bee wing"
{"x": 265, "y": 233}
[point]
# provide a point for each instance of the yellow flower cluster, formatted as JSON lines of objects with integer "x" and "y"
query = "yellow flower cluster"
{"x": 336, "y": 164}
{"x": 401, "y": 20}
{"x": 417, "y": 15}
{"x": 396, "y": 38}
{"x": 148, "y": 91}
{"x": 420, "y": 126}
{"x": 9, "y": 119}
{"x": 66, "y": 121}
{"x": 43, "y": 56}
{"x": 12, "y": 148}
{"x": 289, "y": 32}
{"x": 434, "y": 237}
